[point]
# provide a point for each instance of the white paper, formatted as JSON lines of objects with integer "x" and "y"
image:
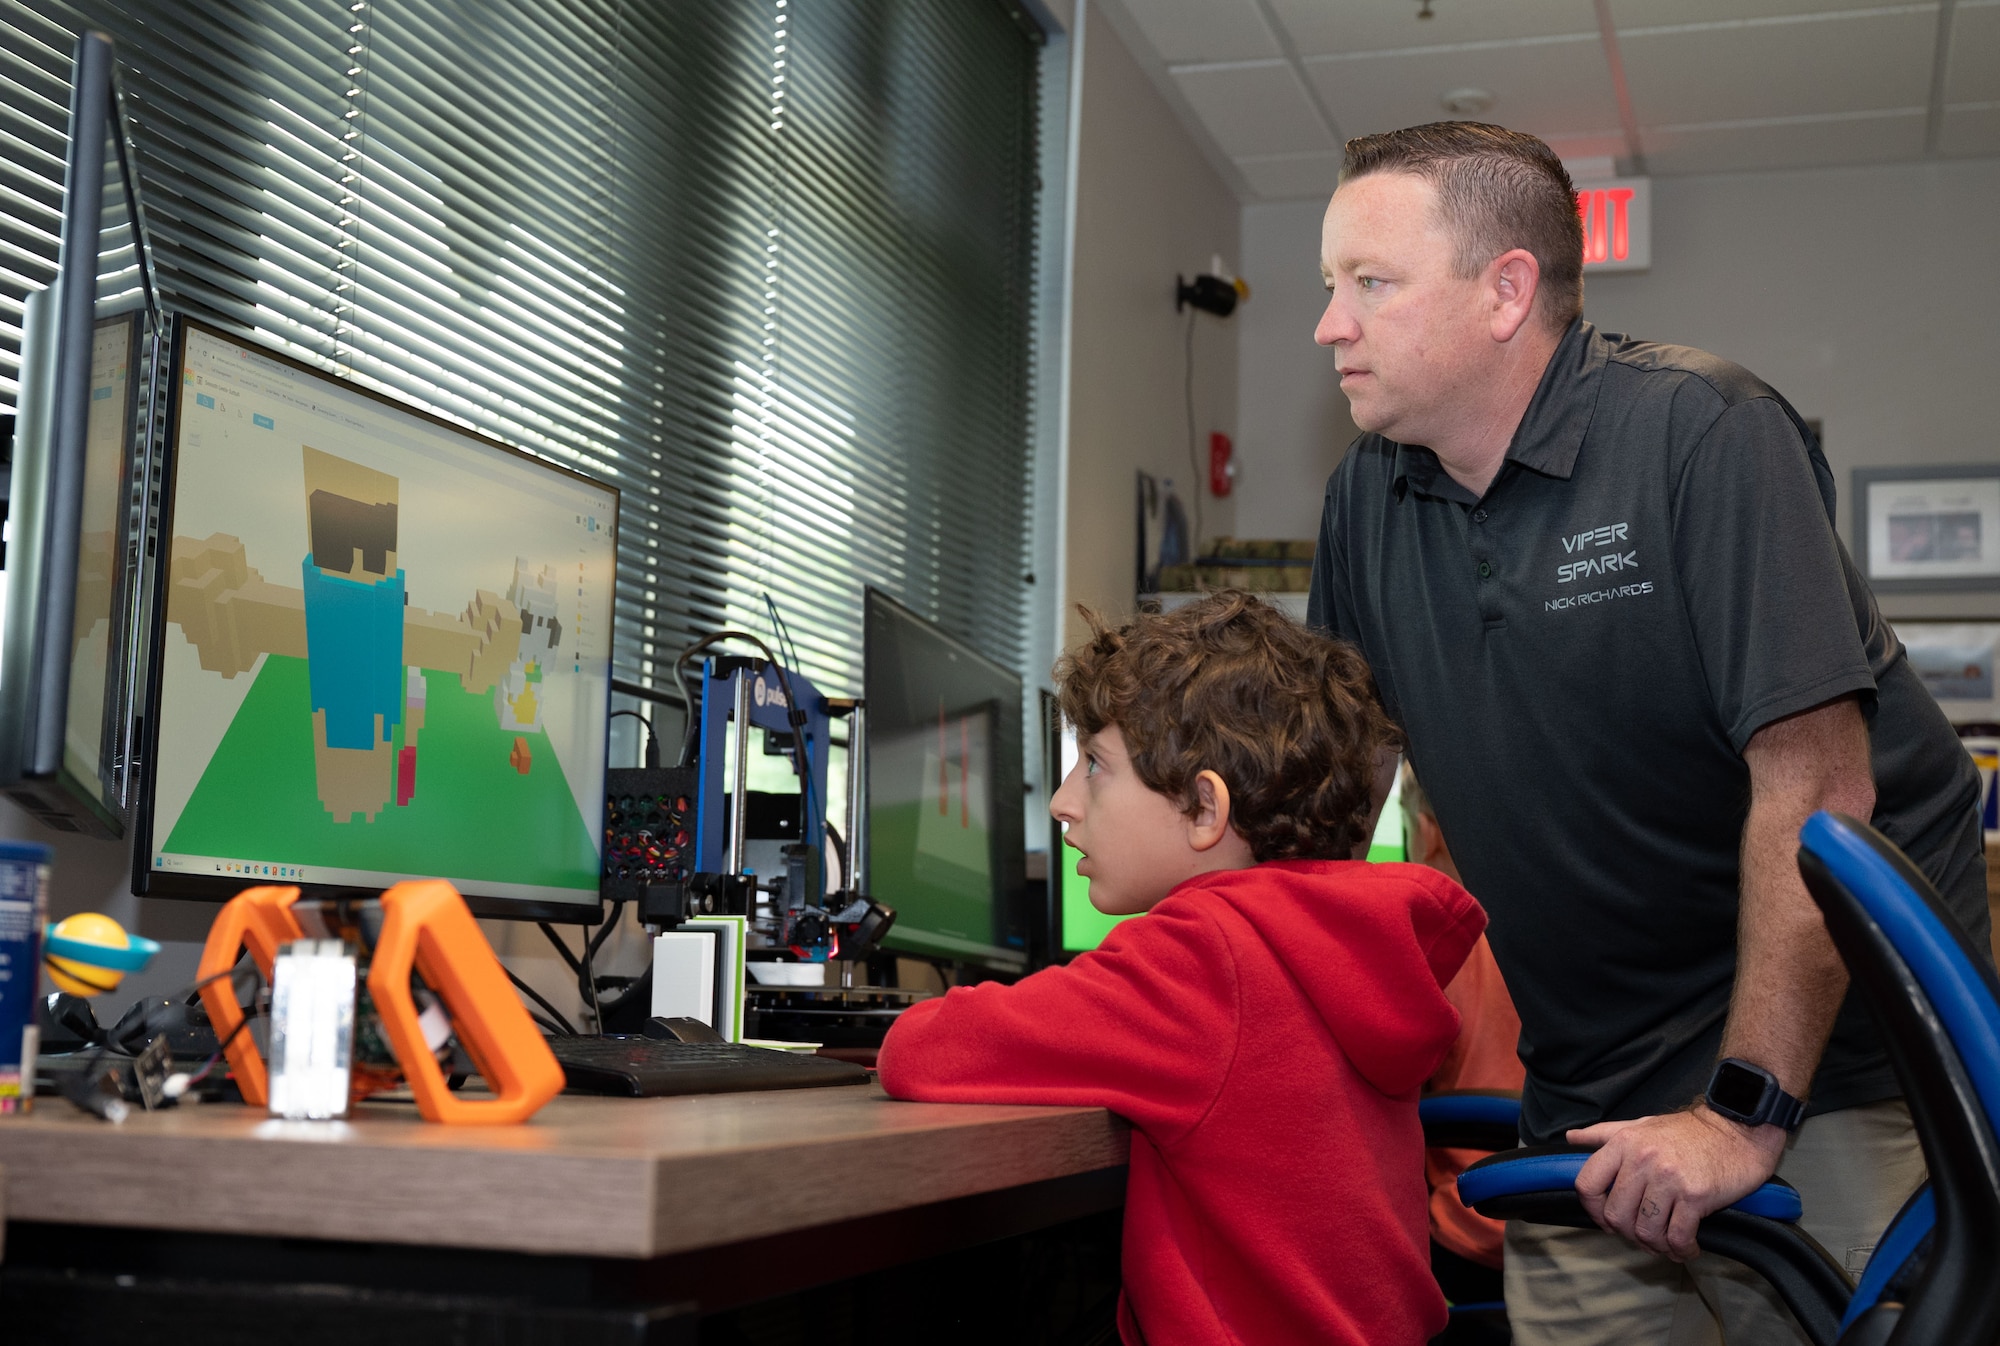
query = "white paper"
{"x": 684, "y": 976}
{"x": 1933, "y": 529}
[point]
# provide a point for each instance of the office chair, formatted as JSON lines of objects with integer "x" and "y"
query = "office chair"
{"x": 1470, "y": 1119}
{"x": 1938, "y": 1005}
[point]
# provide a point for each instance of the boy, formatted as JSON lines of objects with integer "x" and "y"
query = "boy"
{"x": 1267, "y": 1026}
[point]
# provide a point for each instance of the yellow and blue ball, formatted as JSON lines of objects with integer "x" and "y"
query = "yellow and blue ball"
{"x": 89, "y": 953}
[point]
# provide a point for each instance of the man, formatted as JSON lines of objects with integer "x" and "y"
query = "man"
{"x": 1600, "y": 588}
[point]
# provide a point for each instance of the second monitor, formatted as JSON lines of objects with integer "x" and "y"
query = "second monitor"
{"x": 945, "y": 824}
{"x": 382, "y": 648}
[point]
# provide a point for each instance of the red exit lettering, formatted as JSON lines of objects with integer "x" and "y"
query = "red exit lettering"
{"x": 1607, "y": 232}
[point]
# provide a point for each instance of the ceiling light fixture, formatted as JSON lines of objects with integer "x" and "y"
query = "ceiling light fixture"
{"x": 1467, "y": 102}
{"x": 1424, "y": 9}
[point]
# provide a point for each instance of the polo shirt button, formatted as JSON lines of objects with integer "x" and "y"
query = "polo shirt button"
{"x": 1479, "y": 516}
{"x": 1485, "y": 570}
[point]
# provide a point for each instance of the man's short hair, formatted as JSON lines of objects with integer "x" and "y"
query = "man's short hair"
{"x": 1496, "y": 190}
{"x": 1285, "y": 715}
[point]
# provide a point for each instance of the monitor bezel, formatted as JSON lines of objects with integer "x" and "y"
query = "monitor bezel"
{"x": 46, "y": 484}
{"x": 1012, "y": 880}
{"x": 148, "y": 882}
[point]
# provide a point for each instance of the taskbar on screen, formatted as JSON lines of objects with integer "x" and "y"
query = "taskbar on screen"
{"x": 267, "y": 871}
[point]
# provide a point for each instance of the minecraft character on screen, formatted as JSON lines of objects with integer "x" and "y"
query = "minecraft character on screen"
{"x": 354, "y": 598}
{"x": 366, "y": 647}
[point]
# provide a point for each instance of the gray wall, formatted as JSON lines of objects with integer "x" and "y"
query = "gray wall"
{"x": 1870, "y": 297}
{"x": 1148, "y": 206}
{"x": 1293, "y": 414}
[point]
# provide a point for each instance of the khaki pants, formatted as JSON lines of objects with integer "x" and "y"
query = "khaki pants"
{"x": 1580, "y": 1287}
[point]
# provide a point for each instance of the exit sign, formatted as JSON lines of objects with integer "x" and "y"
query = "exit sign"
{"x": 1617, "y": 216}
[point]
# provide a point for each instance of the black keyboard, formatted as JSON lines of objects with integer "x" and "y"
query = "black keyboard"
{"x": 641, "y": 1067}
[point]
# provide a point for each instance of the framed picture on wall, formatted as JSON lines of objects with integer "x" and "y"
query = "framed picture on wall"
{"x": 1956, "y": 661}
{"x": 1934, "y": 528}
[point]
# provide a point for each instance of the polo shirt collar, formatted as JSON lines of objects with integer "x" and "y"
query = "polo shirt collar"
{"x": 1551, "y": 430}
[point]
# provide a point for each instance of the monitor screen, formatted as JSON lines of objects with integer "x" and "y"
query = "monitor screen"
{"x": 944, "y": 786}
{"x": 383, "y": 646}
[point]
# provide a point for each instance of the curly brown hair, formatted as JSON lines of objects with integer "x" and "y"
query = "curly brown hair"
{"x": 1285, "y": 715}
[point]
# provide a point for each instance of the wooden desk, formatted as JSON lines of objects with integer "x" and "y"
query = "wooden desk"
{"x": 707, "y": 1199}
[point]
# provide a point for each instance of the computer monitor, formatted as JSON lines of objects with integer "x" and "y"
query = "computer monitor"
{"x": 944, "y": 787}
{"x": 381, "y": 647}
{"x": 67, "y": 658}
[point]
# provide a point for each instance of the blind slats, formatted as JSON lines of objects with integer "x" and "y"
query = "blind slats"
{"x": 766, "y": 269}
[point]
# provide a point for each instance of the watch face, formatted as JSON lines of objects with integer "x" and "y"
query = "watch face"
{"x": 1736, "y": 1089}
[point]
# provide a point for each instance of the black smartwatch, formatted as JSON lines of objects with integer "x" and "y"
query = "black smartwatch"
{"x": 1749, "y": 1094}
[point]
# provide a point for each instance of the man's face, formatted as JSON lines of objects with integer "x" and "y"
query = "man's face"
{"x": 1134, "y": 840}
{"x": 1407, "y": 332}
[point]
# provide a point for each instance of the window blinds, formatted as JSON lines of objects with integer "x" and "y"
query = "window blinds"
{"x": 765, "y": 266}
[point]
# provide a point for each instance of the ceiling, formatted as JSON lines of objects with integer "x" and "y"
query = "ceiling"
{"x": 1270, "y": 88}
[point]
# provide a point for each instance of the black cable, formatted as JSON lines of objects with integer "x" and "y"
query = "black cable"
{"x": 693, "y": 729}
{"x": 795, "y": 715}
{"x": 652, "y": 749}
{"x": 603, "y": 931}
{"x": 786, "y": 643}
{"x": 198, "y": 1076}
{"x": 547, "y": 1026}
{"x": 568, "y": 1029}
{"x": 687, "y": 697}
{"x": 1194, "y": 459}
{"x": 561, "y": 947}
{"x": 586, "y": 973}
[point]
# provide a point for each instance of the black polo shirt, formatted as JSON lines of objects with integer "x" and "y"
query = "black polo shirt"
{"x": 1577, "y": 659}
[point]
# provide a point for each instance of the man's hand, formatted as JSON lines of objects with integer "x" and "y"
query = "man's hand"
{"x": 1653, "y": 1180}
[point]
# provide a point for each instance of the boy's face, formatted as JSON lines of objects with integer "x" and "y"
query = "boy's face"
{"x": 1135, "y": 842}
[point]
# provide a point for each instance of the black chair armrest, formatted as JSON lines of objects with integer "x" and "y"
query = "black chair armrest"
{"x": 1472, "y": 1119}
{"x": 1810, "y": 1282}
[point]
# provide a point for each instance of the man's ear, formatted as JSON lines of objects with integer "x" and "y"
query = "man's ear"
{"x": 1517, "y": 276}
{"x": 1209, "y": 823}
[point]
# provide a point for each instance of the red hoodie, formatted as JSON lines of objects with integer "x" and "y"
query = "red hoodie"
{"x": 1265, "y": 1031}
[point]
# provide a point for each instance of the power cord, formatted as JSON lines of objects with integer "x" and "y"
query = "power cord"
{"x": 584, "y": 966}
{"x": 1195, "y": 483}
{"x": 783, "y": 630}
{"x": 179, "y": 1083}
{"x": 793, "y": 714}
{"x": 652, "y": 748}
{"x": 586, "y": 973}
{"x": 568, "y": 1029}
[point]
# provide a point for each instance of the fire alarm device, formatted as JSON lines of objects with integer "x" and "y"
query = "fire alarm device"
{"x": 1221, "y": 464}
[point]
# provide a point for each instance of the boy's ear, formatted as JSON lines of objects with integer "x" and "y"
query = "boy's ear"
{"x": 1210, "y": 822}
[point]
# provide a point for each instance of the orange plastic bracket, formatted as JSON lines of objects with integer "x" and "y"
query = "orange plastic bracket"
{"x": 257, "y": 919}
{"x": 427, "y": 927}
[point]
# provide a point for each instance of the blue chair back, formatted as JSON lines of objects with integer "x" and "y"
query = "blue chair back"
{"x": 1937, "y": 1002}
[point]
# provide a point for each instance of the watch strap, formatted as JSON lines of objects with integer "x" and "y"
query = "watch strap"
{"x": 1786, "y": 1112}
